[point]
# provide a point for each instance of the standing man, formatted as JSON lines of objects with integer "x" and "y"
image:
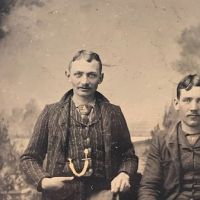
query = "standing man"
{"x": 85, "y": 140}
{"x": 173, "y": 164}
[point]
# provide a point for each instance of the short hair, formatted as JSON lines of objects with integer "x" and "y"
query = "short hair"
{"x": 187, "y": 83}
{"x": 89, "y": 56}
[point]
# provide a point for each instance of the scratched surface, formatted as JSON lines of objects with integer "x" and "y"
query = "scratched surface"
{"x": 146, "y": 47}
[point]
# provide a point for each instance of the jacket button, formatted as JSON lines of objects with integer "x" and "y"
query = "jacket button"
{"x": 92, "y": 187}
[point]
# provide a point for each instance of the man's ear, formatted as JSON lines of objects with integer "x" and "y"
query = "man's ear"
{"x": 176, "y": 103}
{"x": 101, "y": 78}
{"x": 67, "y": 73}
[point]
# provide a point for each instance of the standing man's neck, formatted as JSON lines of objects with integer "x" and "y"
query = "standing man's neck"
{"x": 189, "y": 129}
{"x": 83, "y": 100}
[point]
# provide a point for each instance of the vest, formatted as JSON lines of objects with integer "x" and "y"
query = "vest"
{"x": 86, "y": 136}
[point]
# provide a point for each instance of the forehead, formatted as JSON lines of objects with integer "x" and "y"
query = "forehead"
{"x": 84, "y": 66}
{"x": 194, "y": 92}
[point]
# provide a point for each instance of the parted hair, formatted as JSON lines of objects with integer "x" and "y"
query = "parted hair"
{"x": 89, "y": 56}
{"x": 187, "y": 83}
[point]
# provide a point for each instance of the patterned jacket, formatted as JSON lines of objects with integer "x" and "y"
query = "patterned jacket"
{"x": 50, "y": 139}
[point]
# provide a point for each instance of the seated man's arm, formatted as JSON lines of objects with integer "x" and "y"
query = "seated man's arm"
{"x": 129, "y": 161}
{"x": 150, "y": 187}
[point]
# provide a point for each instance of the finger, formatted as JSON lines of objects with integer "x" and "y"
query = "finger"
{"x": 114, "y": 189}
{"x": 115, "y": 186}
{"x": 126, "y": 187}
{"x": 122, "y": 186}
{"x": 63, "y": 179}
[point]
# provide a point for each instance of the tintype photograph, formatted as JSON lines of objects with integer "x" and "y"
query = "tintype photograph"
{"x": 100, "y": 100}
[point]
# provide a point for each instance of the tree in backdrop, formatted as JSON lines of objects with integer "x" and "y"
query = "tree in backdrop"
{"x": 18, "y": 124}
{"x": 10, "y": 175}
{"x": 170, "y": 118}
{"x": 6, "y": 7}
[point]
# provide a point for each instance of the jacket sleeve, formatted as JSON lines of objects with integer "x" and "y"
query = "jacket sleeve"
{"x": 150, "y": 187}
{"x": 129, "y": 162}
{"x": 31, "y": 162}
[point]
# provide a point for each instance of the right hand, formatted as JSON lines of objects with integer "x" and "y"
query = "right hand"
{"x": 55, "y": 183}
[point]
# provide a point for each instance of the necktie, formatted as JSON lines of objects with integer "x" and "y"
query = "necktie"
{"x": 85, "y": 110}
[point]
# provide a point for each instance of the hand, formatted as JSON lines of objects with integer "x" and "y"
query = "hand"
{"x": 120, "y": 183}
{"x": 54, "y": 183}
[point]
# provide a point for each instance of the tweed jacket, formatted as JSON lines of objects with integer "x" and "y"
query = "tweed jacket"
{"x": 162, "y": 175}
{"x": 50, "y": 137}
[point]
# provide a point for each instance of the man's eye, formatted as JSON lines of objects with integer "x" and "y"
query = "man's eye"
{"x": 198, "y": 101}
{"x": 77, "y": 75}
{"x": 92, "y": 75}
{"x": 187, "y": 100}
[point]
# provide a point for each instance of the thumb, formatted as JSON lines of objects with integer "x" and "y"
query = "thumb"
{"x": 69, "y": 178}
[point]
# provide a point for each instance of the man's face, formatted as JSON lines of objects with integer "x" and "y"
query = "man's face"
{"x": 188, "y": 106}
{"x": 85, "y": 77}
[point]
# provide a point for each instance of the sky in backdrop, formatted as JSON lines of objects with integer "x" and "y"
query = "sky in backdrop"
{"x": 146, "y": 45}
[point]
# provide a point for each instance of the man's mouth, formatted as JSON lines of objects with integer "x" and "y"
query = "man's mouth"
{"x": 193, "y": 115}
{"x": 84, "y": 88}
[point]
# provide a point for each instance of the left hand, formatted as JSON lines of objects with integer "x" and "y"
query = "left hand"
{"x": 120, "y": 183}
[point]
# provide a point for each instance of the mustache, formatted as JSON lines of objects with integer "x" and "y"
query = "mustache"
{"x": 85, "y": 86}
{"x": 193, "y": 114}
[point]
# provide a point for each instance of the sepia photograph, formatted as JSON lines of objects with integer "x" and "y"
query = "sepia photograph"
{"x": 100, "y": 100}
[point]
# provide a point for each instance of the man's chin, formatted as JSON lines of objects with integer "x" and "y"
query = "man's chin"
{"x": 194, "y": 124}
{"x": 85, "y": 94}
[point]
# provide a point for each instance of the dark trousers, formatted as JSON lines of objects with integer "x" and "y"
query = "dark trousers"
{"x": 83, "y": 188}
{"x": 77, "y": 189}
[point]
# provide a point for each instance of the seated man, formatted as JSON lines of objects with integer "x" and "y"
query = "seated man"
{"x": 85, "y": 139}
{"x": 173, "y": 164}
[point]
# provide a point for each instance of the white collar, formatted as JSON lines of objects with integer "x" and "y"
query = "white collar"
{"x": 78, "y": 103}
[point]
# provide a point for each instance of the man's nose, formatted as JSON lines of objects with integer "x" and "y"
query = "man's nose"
{"x": 84, "y": 79}
{"x": 194, "y": 105}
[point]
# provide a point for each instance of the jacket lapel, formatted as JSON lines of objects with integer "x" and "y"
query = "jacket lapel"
{"x": 63, "y": 122}
{"x": 173, "y": 147}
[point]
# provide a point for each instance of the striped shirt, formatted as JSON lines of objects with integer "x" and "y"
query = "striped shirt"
{"x": 86, "y": 136}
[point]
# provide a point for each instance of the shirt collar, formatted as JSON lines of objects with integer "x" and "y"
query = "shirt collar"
{"x": 78, "y": 103}
{"x": 182, "y": 139}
